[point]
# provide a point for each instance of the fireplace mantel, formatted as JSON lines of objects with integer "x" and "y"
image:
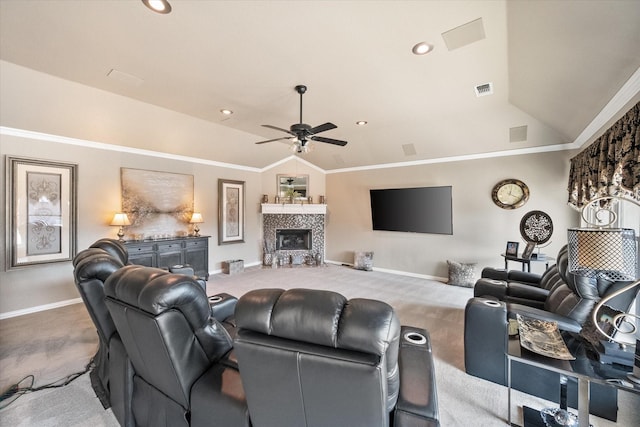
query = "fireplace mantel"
{"x": 293, "y": 208}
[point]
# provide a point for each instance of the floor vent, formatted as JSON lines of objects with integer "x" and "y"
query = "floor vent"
{"x": 484, "y": 89}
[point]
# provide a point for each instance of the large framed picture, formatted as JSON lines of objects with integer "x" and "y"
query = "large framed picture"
{"x": 42, "y": 215}
{"x": 230, "y": 211}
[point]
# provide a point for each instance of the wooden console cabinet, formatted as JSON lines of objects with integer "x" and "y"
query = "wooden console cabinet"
{"x": 164, "y": 253}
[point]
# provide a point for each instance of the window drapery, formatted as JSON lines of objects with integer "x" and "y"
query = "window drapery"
{"x": 610, "y": 166}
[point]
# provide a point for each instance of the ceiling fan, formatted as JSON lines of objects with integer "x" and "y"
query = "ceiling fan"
{"x": 301, "y": 133}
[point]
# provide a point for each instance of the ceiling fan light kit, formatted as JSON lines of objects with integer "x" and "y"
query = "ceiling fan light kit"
{"x": 303, "y": 133}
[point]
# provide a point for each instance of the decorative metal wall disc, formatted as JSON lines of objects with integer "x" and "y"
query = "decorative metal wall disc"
{"x": 536, "y": 227}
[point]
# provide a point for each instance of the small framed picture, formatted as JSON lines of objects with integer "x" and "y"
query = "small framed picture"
{"x": 512, "y": 249}
{"x": 528, "y": 250}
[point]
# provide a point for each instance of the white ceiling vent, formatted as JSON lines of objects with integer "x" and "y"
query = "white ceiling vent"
{"x": 484, "y": 89}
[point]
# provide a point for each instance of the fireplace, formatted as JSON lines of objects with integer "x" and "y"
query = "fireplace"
{"x": 293, "y": 239}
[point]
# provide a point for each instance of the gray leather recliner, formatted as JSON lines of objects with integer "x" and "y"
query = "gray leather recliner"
{"x": 312, "y": 357}
{"x": 180, "y": 352}
{"x": 112, "y": 374}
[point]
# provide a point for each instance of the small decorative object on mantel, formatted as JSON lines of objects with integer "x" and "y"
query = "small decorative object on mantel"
{"x": 310, "y": 199}
{"x": 265, "y": 198}
{"x": 322, "y": 200}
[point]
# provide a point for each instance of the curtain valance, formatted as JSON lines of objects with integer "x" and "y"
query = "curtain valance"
{"x": 610, "y": 166}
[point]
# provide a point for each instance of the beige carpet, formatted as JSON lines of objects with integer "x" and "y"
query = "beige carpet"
{"x": 464, "y": 400}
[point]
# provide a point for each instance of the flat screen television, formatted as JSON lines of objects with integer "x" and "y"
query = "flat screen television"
{"x": 417, "y": 210}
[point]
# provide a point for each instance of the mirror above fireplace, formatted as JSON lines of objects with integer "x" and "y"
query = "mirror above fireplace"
{"x": 293, "y": 184}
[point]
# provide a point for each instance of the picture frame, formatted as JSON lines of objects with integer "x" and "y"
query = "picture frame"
{"x": 231, "y": 201}
{"x": 512, "y": 249}
{"x": 42, "y": 211}
{"x": 528, "y": 250}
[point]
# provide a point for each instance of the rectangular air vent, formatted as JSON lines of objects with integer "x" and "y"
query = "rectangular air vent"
{"x": 484, "y": 89}
{"x": 518, "y": 134}
{"x": 409, "y": 149}
{"x": 464, "y": 34}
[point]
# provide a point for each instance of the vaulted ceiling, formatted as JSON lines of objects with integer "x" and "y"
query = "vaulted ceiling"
{"x": 553, "y": 67}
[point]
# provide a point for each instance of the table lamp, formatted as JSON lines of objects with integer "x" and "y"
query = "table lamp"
{"x": 609, "y": 253}
{"x": 120, "y": 219}
{"x": 196, "y": 219}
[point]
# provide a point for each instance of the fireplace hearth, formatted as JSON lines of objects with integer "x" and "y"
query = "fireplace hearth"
{"x": 293, "y": 239}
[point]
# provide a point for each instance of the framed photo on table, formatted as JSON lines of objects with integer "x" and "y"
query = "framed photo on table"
{"x": 42, "y": 215}
{"x": 230, "y": 211}
{"x": 528, "y": 250}
{"x": 512, "y": 249}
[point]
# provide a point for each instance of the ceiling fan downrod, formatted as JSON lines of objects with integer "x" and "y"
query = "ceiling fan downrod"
{"x": 301, "y": 89}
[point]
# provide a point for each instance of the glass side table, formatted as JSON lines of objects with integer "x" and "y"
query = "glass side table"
{"x": 584, "y": 369}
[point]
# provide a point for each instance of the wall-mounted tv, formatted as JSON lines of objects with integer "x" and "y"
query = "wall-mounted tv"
{"x": 418, "y": 210}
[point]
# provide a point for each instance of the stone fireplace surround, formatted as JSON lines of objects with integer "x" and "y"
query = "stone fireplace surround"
{"x": 310, "y": 221}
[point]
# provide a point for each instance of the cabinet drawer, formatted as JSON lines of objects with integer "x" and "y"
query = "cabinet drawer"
{"x": 196, "y": 243}
{"x": 169, "y": 247}
{"x": 140, "y": 248}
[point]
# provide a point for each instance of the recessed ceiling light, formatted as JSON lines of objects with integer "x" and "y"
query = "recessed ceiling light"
{"x": 226, "y": 112}
{"x": 422, "y": 48}
{"x": 159, "y": 6}
{"x": 361, "y": 122}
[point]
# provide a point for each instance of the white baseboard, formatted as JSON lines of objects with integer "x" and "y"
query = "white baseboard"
{"x": 59, "y": 304}
{"x": 38, "y": 308}
{"x": 396, "y": 272}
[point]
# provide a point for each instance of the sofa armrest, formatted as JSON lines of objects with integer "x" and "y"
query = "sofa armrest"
{"x": 564, "y": 323}
{"x": 486, "y": 339}
{"x": 531, "y": 279}
{"x": 222, "y": 306}
{"x": 417, "y": 403}
{"x": 527, "y": 292}
{"x": 494, "y": 273}
{"x": 490, "y": 288}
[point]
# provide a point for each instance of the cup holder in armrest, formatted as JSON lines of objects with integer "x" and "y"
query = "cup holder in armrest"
{"x": 415, "y": 338}
{"x": 215, "y": 299}
{"x": 491, "y": 303}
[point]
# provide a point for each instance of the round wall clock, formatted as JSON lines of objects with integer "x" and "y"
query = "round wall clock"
{"x": 536, "y": 227}
{"x": 510, "y": 194}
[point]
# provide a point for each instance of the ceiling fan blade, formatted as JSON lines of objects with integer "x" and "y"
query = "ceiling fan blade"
{"x": 272, "y": 140}
{"x": 280, "y": 129}
{"x": 322, "y": 128}
{"x": 329, "y": 140}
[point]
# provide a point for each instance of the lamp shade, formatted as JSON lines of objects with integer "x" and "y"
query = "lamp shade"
{"x": 120, "y": 219}
{"x": 608, "y": 251}
{"x": 196, "y": 218}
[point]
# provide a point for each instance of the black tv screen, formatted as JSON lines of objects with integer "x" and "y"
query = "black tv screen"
{"x": 418, "y": 210}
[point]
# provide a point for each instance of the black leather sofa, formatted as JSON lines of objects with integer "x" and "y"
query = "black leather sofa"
{"x": 312, "y": 357}
{"x": 166, "y": 355}
{"x": 557, "y": 296}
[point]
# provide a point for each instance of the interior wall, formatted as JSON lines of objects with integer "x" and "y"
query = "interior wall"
{"x": 480, "y": 228}
{"x": 98, "y": 198}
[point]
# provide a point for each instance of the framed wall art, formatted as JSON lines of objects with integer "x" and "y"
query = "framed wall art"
{"x": 158, "y": 204}
{"x": 42, "y": 215}
{"x": 230, "y": 211}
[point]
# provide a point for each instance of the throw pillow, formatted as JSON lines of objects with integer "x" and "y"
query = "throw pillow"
{"x": 462, "y": 274}
{"x": 363, "y": 261}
